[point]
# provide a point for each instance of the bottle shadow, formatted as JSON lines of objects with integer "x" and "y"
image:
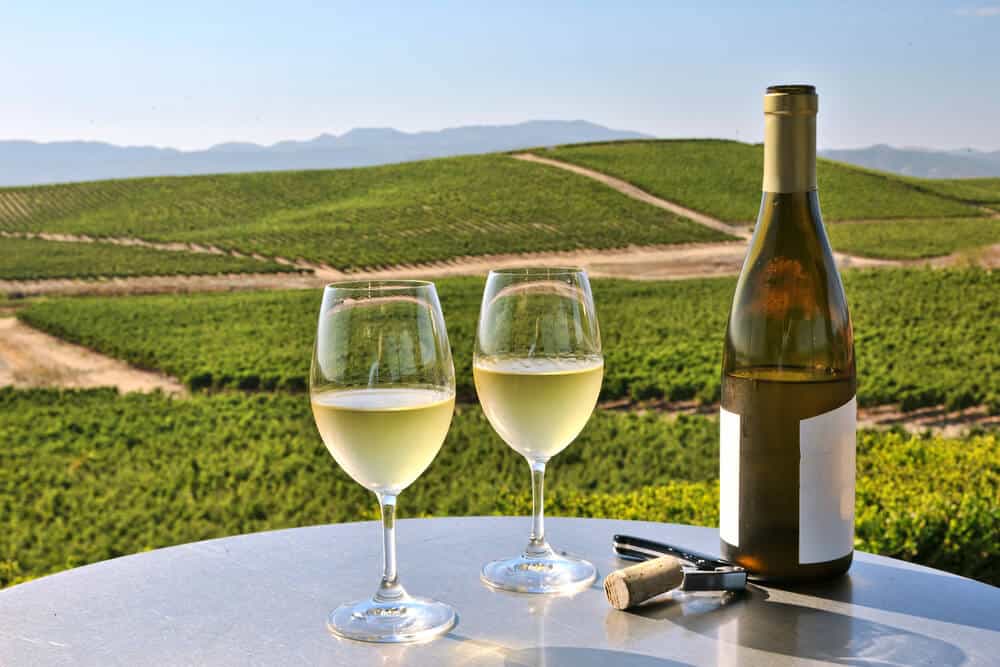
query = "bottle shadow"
{"x": 753, "y": 620}
{"x": 921, "y": 592}
{"x": 570, "y": 656}
{"x": 481, "y": 652}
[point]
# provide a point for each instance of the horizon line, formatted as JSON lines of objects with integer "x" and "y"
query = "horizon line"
{"x": 305, "y": 139}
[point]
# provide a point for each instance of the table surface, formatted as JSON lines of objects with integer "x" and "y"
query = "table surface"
{"x": 262, "y": 599}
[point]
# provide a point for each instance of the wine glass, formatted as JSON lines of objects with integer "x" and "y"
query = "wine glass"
{"x": 382, "y": 387}
{"x": 538, "y": 371}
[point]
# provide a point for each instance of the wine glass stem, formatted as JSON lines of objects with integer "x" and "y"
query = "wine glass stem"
{"x": 389, "y": 589}
{"x": 537, "y": 546}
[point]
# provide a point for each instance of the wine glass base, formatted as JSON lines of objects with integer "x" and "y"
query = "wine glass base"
{"x": 408, "y": 620}
{"x": 556, "y": 573}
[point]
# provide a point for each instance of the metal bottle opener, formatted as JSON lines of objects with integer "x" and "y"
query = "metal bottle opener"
{"x": 706, "y": 573}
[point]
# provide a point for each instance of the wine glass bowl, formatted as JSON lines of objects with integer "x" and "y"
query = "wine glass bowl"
{"x": 382, "y": 388}
{"x": 538, "y": 369}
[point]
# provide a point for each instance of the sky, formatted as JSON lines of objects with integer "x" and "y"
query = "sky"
{"x": 190, "y": 74}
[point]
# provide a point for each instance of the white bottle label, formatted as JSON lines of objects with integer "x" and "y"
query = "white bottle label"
{"x": 826, "y": 482}
{"x": 729, "y": 477}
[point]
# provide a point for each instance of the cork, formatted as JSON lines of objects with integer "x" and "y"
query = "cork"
{"x": 635, "y": 584}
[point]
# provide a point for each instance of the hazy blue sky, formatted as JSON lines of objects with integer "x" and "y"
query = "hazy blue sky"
{"x": 194, "y": 73}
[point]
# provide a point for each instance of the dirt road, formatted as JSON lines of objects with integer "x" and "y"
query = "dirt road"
{"x": 632, "y": 191}
{"x": 30, "y": 358}
{"x": 638, "y": 262}
{"x": 936, "y": 419}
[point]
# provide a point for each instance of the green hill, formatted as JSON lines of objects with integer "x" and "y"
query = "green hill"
{"x": 722, "y": 178}
{"x": 353, "y": 218}
{"x": 489, "y": 204}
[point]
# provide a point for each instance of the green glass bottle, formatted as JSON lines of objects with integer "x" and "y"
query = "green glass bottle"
{"x": 789, "y": 414}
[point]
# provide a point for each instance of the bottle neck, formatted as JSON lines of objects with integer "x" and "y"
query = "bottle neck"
{"x": 789, "y": 152}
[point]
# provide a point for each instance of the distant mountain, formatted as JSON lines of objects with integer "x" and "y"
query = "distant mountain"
{"x": 29, "y": 162}
{"x": 962, "y": 163}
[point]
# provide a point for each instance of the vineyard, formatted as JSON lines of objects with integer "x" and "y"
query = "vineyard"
{"x": 913, "y": 239}
{"x": 34, "y": 259}
{"x": 722, "y": 178}
{"x": 87, "y": 476}
{"x": 355, "y": 218}
{"x": 920, "y": 335}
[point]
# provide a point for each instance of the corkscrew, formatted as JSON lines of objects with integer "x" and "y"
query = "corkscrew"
{"x": 702, "y": 572}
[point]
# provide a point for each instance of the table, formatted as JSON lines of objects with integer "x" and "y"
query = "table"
{"x": 262, "y": 599}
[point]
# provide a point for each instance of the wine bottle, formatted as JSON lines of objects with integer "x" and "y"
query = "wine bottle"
{"x": 789, "y": 414}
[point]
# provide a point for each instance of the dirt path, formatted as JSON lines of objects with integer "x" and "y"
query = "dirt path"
{"x": 664, "y": 262}
{"x": 30, "y": 358}
{"x": 936, "y": 419}
{"x": 986, "y": 256}
{"x": 159, "y": 284}
{"x": 667, "y": 262}
{"x": 632, "y": 191}
{"x": 125, "y": 241}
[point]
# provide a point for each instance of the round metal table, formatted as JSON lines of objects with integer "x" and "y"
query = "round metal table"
{"x": 262, "y": 599}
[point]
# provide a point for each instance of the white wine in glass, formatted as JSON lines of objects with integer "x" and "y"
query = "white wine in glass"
{"x": 363, "y": 429}
{"x": 538, "y": 406}
{"x": 538, "y": 369}
{"x": 382, "y": 386}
